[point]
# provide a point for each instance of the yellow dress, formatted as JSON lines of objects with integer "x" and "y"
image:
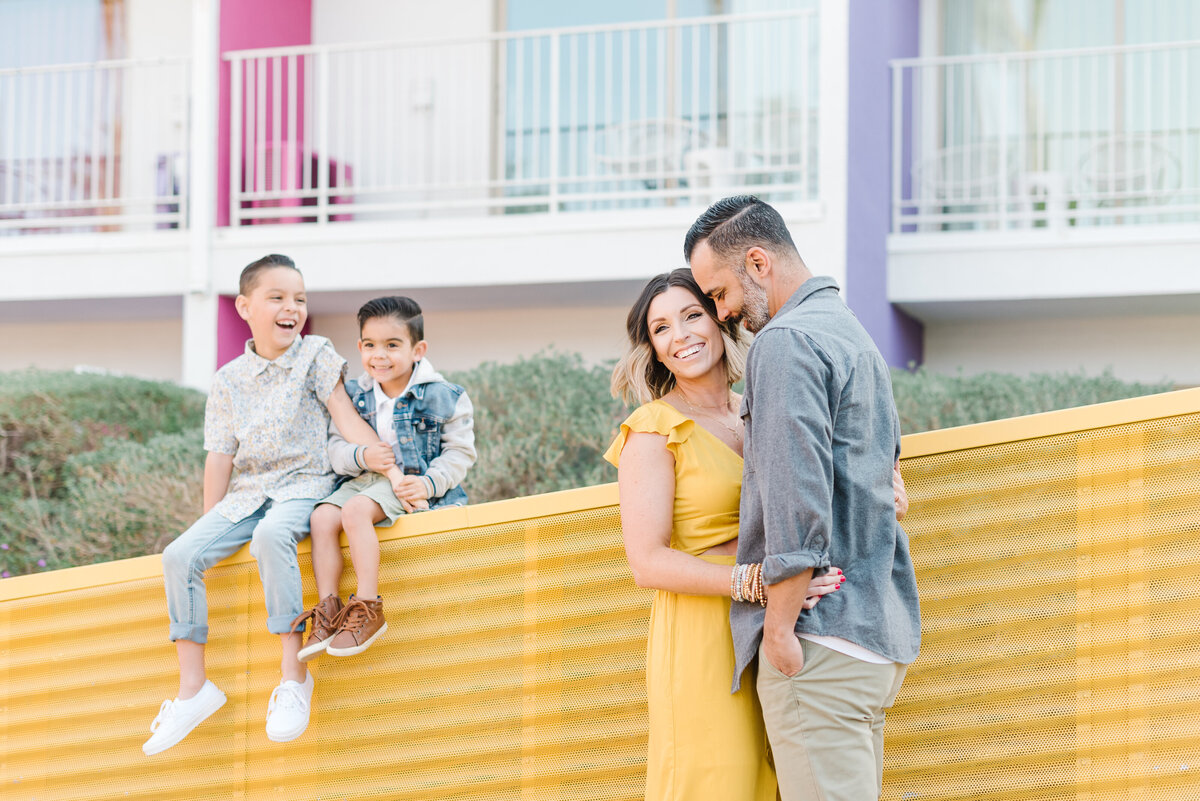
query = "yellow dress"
{"x": 705, "y": 744}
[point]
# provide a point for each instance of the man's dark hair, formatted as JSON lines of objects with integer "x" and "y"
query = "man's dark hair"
{"x": 404, "y": 310}
{"x": 735, "y": 224}
{"x": 251, "y": 271}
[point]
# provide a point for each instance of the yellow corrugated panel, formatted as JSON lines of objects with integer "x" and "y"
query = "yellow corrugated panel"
{"x": 1060, "y": 595}
{"x": 512, "y": 669}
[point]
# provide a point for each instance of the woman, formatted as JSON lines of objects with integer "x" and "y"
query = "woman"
{"x": 679, "y": 459}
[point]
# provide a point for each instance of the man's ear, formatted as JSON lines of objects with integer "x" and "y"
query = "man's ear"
{"x": 242, "y": 304}
{"x": 758, "y": 265}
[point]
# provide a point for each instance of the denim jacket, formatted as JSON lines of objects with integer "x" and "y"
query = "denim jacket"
{"x": 434, "y": 423}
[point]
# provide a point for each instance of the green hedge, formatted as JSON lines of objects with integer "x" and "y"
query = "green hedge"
{"x": 927, "y": 401}
{"x": 541, "y": 425}
{"x": 75, "y": 458}
{"x": 99, "y": 467}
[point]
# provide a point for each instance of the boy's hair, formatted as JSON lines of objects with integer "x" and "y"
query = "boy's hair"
{"x": 733, "y": 225}
{"x": 404, "y": 310}
{"x": 252, "y": 270}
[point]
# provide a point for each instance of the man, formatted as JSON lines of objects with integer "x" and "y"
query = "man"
{"x": 821, "y": 437}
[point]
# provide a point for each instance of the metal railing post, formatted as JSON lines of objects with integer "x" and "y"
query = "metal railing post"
{"x": 322, "y": 123}
{"x": 897, "y": 144}
{"x": 235, "y": 141}
{"x": 1003, "y": 143}
{"x": 555, "y": 122}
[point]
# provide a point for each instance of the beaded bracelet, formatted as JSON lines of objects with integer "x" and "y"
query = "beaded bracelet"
{"x": 746, "y": 584}
{"x": 752, "y": 588}
{"x": 751, "y": 591}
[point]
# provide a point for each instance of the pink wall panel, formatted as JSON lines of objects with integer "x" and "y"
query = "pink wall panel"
{"x": 248, "y": 24}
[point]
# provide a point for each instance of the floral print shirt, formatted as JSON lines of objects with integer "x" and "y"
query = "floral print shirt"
{"x": 271, "y": 417}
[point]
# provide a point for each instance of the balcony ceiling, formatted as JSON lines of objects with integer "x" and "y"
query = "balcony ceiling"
{"x": 1023, "y": 308}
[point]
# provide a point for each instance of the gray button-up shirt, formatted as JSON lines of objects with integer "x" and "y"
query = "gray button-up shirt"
{"x": 822, "y": 435}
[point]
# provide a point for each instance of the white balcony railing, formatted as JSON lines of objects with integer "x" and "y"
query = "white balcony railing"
{"x": 100, "y": 146}
{"x": 616, "y": 116}
{"x": 1100, "y": 136}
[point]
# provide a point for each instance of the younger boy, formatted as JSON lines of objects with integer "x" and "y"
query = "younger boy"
{"x": 265, "y": 429}
{"x": 428, "y": 423}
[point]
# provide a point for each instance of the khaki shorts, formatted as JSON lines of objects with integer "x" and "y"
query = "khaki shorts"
{"x": 376, "y": 487}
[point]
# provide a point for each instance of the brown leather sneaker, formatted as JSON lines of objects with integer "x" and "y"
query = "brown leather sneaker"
{"x": 325, "y": 617}
{"x": 362, "y": 623}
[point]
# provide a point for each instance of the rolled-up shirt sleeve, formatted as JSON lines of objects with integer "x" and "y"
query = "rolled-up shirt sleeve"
{"x": 327, "y": 369}
{"x": 791, "y": 451}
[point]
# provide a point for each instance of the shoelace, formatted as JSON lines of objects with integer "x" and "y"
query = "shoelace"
{"x": 318, "y": 617}
{"x": 165, "y": 713}
{"x": 304, "y": 617}
{"x": 355, "y": 615}
{"x": 286, "y": 696}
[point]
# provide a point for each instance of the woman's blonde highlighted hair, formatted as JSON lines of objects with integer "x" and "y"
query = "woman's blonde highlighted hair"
{"x": 639, "y": 377}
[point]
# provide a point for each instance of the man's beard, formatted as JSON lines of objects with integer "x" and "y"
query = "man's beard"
{"x": 755, "y": 314}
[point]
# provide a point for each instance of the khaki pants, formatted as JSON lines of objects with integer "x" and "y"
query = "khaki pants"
{"x": 825, "y": 724}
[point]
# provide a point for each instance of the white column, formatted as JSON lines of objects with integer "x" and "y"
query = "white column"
{"x": 199, "y": 347}
{"x": 199, "y": 339}
{"x": 833, "y": 131}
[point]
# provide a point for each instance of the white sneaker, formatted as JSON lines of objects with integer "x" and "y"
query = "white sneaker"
{"x": 176, "y": 718}
{"x": 288, "y": 710}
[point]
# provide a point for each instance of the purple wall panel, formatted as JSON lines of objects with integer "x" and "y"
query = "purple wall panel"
{"x": 879, "y": 30}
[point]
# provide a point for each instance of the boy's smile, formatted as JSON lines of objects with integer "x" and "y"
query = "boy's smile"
{"x": 388, "y": 353}
{"x": 276, "y": 310}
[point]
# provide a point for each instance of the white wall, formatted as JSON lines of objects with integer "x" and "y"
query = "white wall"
{"x": 157, "y": 28}
{"x": 142, "y": 348}
{"x": 1143, "y": 348}
{"x": 339, "y": 21}
{"x": 100, "y": 266}
{"x": 155, "y": 121}
{"x": 410, "y": 116}
{"x": 459, "y": 340}
{"x": 502, "y": 250}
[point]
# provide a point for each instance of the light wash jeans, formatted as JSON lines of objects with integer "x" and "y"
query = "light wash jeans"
{"x": 273, "y": 532}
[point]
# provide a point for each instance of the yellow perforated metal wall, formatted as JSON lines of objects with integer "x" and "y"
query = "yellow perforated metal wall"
{"x": 1060, "y": 583}
{"x": 1060, "y": 595}
{"x": 512, "y": 669}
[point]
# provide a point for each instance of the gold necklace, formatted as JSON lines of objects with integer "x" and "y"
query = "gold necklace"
{"x": 708, "y": 413}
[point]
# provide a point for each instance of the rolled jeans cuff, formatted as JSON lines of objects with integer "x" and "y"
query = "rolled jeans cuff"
{"x": 282, "y": 624}
{"x": 193, "y": 632}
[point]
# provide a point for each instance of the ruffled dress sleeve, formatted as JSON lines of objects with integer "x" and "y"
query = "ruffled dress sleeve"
{"x": 656, "y": 417}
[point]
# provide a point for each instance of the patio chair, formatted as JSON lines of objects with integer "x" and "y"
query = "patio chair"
{"x": 650, "y": 151}
{"x": 965, "y": 180}
{"x": 1126, "y": 170}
